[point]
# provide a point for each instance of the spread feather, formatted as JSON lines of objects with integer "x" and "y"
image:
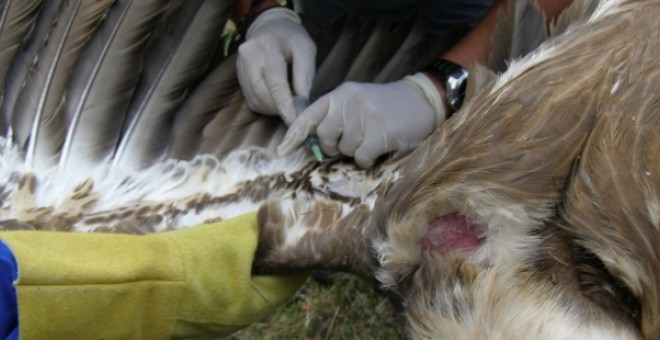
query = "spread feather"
{"x": 104, "y": 81}
{"x": 113, "y": 102}
{"x": 17, "y": 19}
{"x": 22, "y": 65}
{"x": 42, "y": 98}
{"x": 612, "y": 207}
{"x": 175, "y": 61}
{"x": 205, "y": 102}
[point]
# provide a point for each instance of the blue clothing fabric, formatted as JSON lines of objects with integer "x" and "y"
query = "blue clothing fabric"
{"x": 443, "y": 14}
{"x": 8, "y": 303}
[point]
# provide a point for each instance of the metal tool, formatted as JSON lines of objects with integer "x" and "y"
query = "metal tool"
{"x": 312, "y": 141}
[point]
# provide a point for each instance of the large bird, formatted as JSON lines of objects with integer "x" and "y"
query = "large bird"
{"x": 532, "y": 214}
{"x": 502, "y": 224}
{"x": 126, "y": 116}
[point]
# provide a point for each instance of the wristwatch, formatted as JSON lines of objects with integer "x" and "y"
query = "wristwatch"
{"x": 454, "y": 77}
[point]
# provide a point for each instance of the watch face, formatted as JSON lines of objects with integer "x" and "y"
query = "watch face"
{"x": 455, "y": 88}
{"x": 454, "y": 78}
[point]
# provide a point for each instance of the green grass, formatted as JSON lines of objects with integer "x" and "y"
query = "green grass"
{"x": 347, "y": 309}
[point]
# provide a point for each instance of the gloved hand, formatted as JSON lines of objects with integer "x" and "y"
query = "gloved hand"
{"x": 367, "y": 120}
{"x": 273, "y": 41}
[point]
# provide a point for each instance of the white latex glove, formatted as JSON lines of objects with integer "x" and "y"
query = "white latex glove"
{"x": 275, "y": 39}
{"x": 367, "y": 120}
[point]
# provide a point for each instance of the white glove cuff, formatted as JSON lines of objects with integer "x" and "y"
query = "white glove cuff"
{"x": 431, "y": 94}
{"x": 275, "y": 14}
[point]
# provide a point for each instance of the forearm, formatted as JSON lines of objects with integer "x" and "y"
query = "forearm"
{"x": 475, "y": 47}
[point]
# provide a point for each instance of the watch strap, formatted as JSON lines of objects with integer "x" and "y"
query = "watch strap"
{"x": 454, "y": 78}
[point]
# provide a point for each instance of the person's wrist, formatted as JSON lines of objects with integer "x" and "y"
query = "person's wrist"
{"x": 261, "y": 6}
{"x": 430, "y": 92}
{"x": 271, "y": 14}
{"x": 451, "y": 80}
{"x": 440, "y": 87}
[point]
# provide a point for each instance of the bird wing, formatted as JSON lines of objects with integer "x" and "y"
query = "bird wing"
{"x": 41, "y": 101}
{"x": 17, "y": 19}
{"x": 177, "y": 59}
{"x": 158, "y": 134}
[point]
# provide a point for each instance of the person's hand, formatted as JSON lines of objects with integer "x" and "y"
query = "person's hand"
{"x": 273, "y": 41}
{"x": 365, "y": 121}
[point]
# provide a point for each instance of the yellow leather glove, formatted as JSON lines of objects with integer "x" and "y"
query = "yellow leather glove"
{"x": 191, "y": 283}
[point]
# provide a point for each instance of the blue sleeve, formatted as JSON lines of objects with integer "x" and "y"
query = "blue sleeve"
{"x": 8, "y": 304}
{"x": 443, "y": 15}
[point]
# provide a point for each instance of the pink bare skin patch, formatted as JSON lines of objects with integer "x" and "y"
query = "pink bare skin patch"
{"x": 450, "y": 233}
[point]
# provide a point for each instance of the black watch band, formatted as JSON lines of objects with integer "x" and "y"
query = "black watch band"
{"x": 454, "y": 77}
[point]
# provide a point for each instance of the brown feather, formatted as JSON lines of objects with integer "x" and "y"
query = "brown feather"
{"x": 504, "y": 163}
{"x": 612, "y": 206}
{"x": 505, "y": 160}
{"x": 334, "y": 239}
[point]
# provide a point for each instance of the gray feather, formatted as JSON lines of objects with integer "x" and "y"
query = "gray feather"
{"x": 262, "y": 132}
{"x": 235, "y": 134}
{"x": 416, "y": 51}
{"x": 379, "y": 48}
{"x": 520, "y": 29}
{"x": 501, "y": 41}
{"x": 104, "y": 81}
{"x": 214, "y": 93}
{"x": 223, "y": 126}
{"x": 480, "y": 78}
{"x": 23, "y": 64}
{"x": 177, "y": 60}
{"x": 41, "y": 99}
{"x": 326, "y": 39}
{"x": 333, "y": 70}
{"x": 530, "y": 30}
{"x": 577, "y": 10}
{"x": 17, "y": 18}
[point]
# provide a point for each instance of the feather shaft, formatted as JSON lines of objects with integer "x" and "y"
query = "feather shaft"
{"x": 16, "y": 20}
{"x": 223, "y": 125}
{"x": 179, "y": 59}
{"x": 335, "y": 66}
{"x": 104, "y": 81}
{"x": 21, "y": 67}
{"x": 213, "y": 94}
{"x": 417, "y": 50}
{"x": 43, "y": 94}
{"x": 379, "y": 48}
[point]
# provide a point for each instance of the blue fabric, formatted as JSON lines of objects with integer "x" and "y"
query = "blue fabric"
{"x": 444, "y": 14}
{"x": 8, "y": 303}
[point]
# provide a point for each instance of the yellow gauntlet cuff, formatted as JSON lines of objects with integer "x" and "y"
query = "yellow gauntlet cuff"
{"x": 188, "y": 283}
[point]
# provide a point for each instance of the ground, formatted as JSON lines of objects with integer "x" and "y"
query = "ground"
{"x": 346, "y": 309}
